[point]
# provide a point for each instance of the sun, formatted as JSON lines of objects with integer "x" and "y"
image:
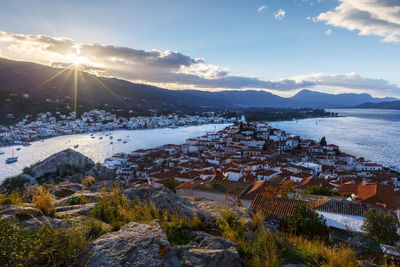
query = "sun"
{"x": 77, "y": 59}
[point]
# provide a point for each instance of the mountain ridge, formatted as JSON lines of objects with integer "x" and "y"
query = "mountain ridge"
{"x": 49, "y": 82}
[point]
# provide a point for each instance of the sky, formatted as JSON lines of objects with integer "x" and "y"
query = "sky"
{"x": 281, "y": 46}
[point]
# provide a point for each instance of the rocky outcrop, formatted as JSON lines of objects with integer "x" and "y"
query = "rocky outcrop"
{"x": 66, "y": 189}
{"x": 62, "y": 163}
{"x": 134, "y": 244}
{"x": 74, "y": 210}
{"x": 89, "y": 197}
{"x": 208, "y": 250}
{"x": 165, "y": 200}
{"x": 101, "y": 173}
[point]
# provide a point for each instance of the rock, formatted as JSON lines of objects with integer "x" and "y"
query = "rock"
{"x": 134, "y": 244}
{"x": 74, "y": 210}
{"x": 210, "y": 251}
{"x": 30, "y": 217}
{"x": 65, "y": 189}
{"x": 101, "y": 173}
{"x": 90, "y": 197}
{"x": 165, "y": 200}
{"x": 62, "y": 163}
{"x": 29, "y": 180}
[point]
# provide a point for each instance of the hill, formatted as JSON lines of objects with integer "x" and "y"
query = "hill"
{"x": 48, "y": 82}
{"x": 382, "y": 105}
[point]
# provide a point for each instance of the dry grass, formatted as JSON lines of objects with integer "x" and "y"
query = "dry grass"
{"x": 318, "y": 253}
{"x": 14, "y": 198}
{"x": 44, "y": 201}
{"x": 88, "y": 181}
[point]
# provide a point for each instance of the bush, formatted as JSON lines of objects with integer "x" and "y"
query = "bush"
{"x": 307, "y": 222}
{"x": 14, "y": 198}
{"x": 88, "y": 181}
{"x": 44, "y": 201}
{"x": 172, "y": 184}
{"x": 79, "y": 200}
{"x": 320, "y": 190}
{"x": 47, "y": 247}
{"x": 381, "y": 227}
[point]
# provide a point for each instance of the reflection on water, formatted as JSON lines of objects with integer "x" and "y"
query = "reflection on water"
{"x": 99, "y": 147}
{"x": 373, "y": 134}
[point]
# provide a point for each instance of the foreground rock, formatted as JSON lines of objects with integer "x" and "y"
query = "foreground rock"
{"x": 134, "y": 244}
{"x": 165, "y": 200}
{"x": 208, "y": 250}
{"x": 62, "y": 163}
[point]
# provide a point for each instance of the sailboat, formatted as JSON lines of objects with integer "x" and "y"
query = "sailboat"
{"x": 11, "y": 159}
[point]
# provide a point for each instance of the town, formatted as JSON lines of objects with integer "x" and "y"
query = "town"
{"x": 49, "y": 125}
{"x": 254, "y": 165}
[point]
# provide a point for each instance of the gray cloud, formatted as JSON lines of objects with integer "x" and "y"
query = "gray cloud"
{"x": 171, "y": 69}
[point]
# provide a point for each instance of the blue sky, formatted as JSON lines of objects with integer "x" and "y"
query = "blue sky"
{"x": 238, "y": 38}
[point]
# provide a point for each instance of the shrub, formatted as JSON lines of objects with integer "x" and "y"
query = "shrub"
{"x": 14, "y": 198}
{"x": 44, "y": 201}
{"x": 79, "y": 200}
{"x": 381, "y": 227}
{"x": 172, "y": 184}
{"x": 307, "y": 222}
{"x": 320, "y": 190}
{"x": 47, "y": 247}
{"x": 94, "y": 228}
{"x": 88, "y": 181}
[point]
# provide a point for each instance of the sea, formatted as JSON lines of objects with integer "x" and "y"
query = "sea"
{"x": 370, "y": 133}
{"x": 98, "y": 146}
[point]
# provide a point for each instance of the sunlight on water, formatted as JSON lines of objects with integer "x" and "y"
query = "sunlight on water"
{"x": 96, "y": 148}
{"x": 373, "y": 134}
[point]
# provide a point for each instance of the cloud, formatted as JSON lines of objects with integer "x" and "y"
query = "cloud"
{"x": 328, "y": 32}
{"x": 368, "y": 17}
{"x": 280, "y": 14}
{"x": 171, "y": 69}
{"x": 349, "y": 81}
{"x": 261, "y": 8}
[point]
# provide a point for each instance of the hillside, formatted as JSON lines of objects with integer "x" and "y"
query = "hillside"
{"x": 47, "y": 82}
{"x": 382, "y": 105}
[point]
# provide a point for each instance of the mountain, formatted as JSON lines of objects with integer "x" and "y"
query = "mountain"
{"x": 48, "y": 82}
{"x": 382, "y": 105}
{"x": 308, "y": 98}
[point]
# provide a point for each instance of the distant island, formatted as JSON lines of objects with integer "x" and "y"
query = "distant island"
{"x": 383, "y": 105}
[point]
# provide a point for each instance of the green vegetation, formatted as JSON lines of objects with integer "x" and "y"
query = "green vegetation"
{"x": 320, "y": 190}
{"x": 14, "y": 198}
{"x": 381, "y": 227}
{"x": 306, "y": 222}
{"x": 172, "y": 184}
{"x": 79, "y": 200}
{"x": 323, "y": 142}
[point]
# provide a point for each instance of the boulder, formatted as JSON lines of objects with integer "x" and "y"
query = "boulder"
{"x": 29, "y": 180}
{"x": 134, "y": 244}
{"x": 165, "y": 200}
{"x": 74, "y": 210}
{"x": 101, "y": 173}
{"x": 62, "y": 163}
{"x": 208, "y": 250}
{"x": 89, "y": 196}
{"x": 65, "y": 189}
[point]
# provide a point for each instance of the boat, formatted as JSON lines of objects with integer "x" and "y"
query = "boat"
{"x": 111, "y": 143}
{"x": 76, "y": 146}
{"x": 101, "y": 137}
{"x": 93, "y": 137}
{"x": 18, "y": 148}
{"x": 1, "y": 152}
{"x": 11, "y": 160}
{"x": 119, "y": 139}
{"x": 111, "y": 137}
{"x": 125, "y": 142}
{"x": 26, "y": 144}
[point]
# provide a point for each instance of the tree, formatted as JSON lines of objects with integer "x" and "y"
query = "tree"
{"x": 320, "y": 190}
{"x": 307, "y": 222}
{"x": 380, "y": 226}
{"x": 265, "y": 146}
{"x": 172, "y": 184}
{"x": 323, "y": 141}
